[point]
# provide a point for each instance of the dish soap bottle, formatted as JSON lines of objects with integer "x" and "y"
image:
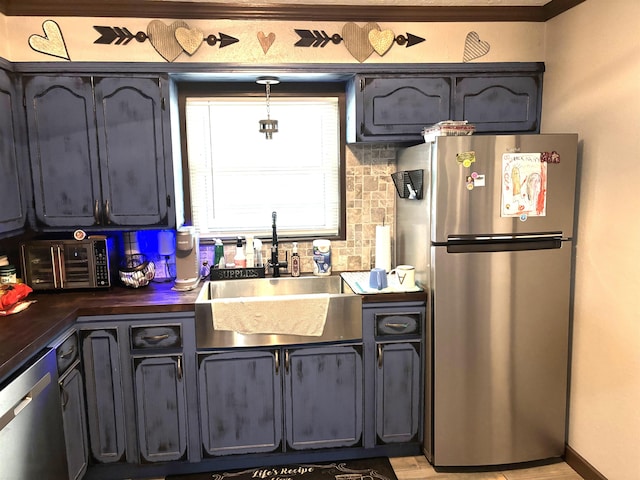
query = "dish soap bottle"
{"x": 295, "y": 261}
{"x": 218, "y": 254}
{"x": 240, "y": 261}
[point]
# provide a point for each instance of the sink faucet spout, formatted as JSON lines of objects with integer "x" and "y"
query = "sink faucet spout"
{"x": 275, "y": 264}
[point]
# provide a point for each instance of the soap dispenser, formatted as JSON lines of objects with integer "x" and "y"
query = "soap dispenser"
{"x": 295, "y": 261}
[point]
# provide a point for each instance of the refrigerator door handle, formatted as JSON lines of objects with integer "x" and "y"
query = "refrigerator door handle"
{"x": 505, "y": 245}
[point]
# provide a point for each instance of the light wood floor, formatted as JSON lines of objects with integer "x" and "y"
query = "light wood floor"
{"x": 417, "y": 468}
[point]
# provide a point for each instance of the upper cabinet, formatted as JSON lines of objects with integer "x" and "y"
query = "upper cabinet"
{"x": 12, "y": 206}
{"x": 396, "y": 107}
{"x": 499, "y": 104}
{"x": 100, "y": 151}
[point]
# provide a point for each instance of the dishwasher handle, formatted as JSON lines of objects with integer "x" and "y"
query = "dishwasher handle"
{"x": 31, "y": 395}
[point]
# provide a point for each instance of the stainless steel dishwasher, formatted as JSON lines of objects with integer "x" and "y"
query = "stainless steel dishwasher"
{"x": 31, "y": 432}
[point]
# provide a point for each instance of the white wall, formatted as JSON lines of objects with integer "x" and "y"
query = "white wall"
{"x": 592, "y": 86}
{"x": 4, "y": 44}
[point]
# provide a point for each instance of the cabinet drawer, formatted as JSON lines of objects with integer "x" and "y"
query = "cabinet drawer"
{"x": 405, "y": 323}
{"x": 67, "y": 353}
{"x": 156, "y": 336}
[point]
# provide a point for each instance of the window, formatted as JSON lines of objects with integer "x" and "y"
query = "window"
{"x": 235, "y": 178}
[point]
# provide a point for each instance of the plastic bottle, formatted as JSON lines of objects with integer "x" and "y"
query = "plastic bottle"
{"x": 240, "y": 261}
{"x": 322, "y": 257}
{"x": 218, "y": 254}
{"x": 250, "y": 252}
{"x": 257, "y": 247}
{"x": 295, "y": 261}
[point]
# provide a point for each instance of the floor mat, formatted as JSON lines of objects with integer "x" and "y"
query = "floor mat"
{"x": 377, "y": 468}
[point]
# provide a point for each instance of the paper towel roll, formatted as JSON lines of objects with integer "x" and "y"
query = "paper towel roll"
{"x": 383, "y": 247}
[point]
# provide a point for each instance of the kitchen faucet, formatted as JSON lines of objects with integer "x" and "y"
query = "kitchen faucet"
{"x": 274, "y": 263}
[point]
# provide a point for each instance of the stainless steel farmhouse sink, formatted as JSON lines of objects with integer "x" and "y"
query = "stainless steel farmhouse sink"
{"x": 276, "y": 311}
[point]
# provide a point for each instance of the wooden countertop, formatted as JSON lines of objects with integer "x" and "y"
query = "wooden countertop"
{"x": 24, "y": 334}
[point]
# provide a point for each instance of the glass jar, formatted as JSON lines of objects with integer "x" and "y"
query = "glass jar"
{"x": 7, "y": 274}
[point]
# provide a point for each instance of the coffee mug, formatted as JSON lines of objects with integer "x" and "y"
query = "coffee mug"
{"x": 404, "y": 276}
{"x": 378, "y": 278}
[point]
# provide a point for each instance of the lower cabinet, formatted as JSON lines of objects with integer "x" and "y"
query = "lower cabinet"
{"x": 72, "y": 402}
{"x": 240, "y": 401}
{"x": 397, "y": 392}
{"x": 75, "y": 424}
{"x": 393, "y": 334}
{"x": 140, "y": 384}
{"x": 281, "y": 399}
{"x": 105, "y": 402}
{"x": 161, "y": 407}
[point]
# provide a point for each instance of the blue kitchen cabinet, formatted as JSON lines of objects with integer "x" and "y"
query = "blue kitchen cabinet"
{"x": 394, "y": 347}
{"x": 104, "y": 394}
{"x": 323, "y": 398}
{"x": 396, "y": 107}
{"x": 99, "y": 151}
{"x": 72, "y": 396}
{"x": 12, "y": 205}
{"x": 240, "y": 401}
{"x": 498, "y": 103}
{"x": 496, "y": 98}
{"x": 140, "y": 388}
{"x": 161, "y": 407}
{"x": 398, "y": 392}
{"x": 75, "y": 423}
{"x": 283, "y": 399}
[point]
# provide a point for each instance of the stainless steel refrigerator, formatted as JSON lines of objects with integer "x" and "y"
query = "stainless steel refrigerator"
{"x": 490, "y": 233}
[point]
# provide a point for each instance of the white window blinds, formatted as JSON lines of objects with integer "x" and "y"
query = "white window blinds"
{"x": 238, "y": 177}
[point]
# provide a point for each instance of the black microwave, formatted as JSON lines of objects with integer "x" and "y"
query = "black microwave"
{"x": 66, "y": 264}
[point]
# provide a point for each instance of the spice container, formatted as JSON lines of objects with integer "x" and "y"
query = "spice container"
{"x": 7, "y": 274}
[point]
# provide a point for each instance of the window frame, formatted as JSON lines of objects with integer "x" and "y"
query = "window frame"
{"x": 252, "y": 89}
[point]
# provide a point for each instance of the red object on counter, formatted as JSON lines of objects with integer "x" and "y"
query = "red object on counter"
{"x": 12, "y": 293}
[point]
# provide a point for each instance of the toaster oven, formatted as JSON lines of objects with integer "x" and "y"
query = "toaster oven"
{"x": 66, "y": 264}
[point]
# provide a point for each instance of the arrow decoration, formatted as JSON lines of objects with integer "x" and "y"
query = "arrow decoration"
{"x": 361, "y": 42}
{"x": 168, "y": 40}
{"x": 320, "y": 38}
{"x": 410, "y": 40}
{"x": 122, "y": 36}
{"x": 316, "y": 38}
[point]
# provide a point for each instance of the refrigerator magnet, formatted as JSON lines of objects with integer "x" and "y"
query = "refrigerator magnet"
{"x": 478, "y": 179}
{"x": 466, "y": 158}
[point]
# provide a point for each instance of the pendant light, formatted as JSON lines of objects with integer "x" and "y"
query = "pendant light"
{"x": 268, "y": 126}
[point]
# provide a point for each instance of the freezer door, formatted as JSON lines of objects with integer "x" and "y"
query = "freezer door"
{"x": 505, "y": 184}
{"x": 500, "y": 340}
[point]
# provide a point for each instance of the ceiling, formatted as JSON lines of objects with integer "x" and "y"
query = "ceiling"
{"x": 340, "y": 10}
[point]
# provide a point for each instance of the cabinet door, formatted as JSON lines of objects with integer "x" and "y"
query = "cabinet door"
{"x": 161, "y": 408}
{"x": 240, "y": 402}
{"x": 323, "y": 397}
{"x": 132, "y": 153}
{"x": 63, "y": 150}
{"x": 12, "y": 206}
{"x": 75, "y": 425}
{"x": 105, "y": 410}
{"x": 397, "y": 392}
{"x": 399, "y": 107}
{"x": 499, "y": 104}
